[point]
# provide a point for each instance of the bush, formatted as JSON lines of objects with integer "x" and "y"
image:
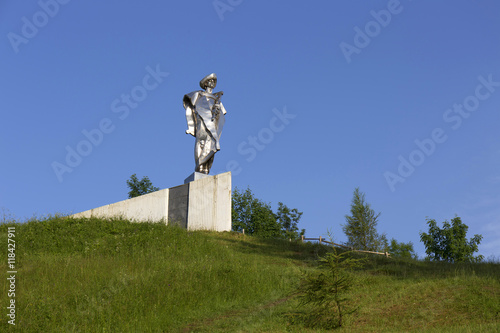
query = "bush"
{"x": 450, "y": 243}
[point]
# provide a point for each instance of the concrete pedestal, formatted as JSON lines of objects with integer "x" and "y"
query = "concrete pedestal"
{"x": 195, "y": 176}
{"x": 202, "y": 204}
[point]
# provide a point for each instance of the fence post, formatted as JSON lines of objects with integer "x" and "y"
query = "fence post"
{"x": 302, "y": 238}
{"x": 243, "y": 231}
{"x": 320, "y": 239}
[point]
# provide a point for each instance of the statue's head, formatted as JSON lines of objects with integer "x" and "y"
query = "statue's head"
{"x": 209, "y": 81}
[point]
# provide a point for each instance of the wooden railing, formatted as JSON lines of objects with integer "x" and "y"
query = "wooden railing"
{"x": 322, "y": 240}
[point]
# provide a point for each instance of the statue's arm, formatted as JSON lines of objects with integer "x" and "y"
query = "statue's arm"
{"x": 218, "y": 95}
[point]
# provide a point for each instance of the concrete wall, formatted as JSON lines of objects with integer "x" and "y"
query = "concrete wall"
{"x": 210, "y": 203}
{"x": 148, "y": 207}
{"x": 203, "y": 204}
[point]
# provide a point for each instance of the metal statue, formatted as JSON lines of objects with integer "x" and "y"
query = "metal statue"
{"x": 205, "y": 119}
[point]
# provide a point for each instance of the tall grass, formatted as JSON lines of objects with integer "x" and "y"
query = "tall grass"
{"x": 89, "y": 275}
{"x": 93, "y": 275}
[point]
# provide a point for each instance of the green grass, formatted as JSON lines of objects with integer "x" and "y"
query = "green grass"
{"x": 90, "y": 275}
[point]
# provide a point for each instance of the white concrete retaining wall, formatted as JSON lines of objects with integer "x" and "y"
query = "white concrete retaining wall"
{"x": 148, "y": 207}
{"x": 203, "y": 204}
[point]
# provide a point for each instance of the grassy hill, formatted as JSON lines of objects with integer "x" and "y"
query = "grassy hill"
{"x": 90, "y": 275}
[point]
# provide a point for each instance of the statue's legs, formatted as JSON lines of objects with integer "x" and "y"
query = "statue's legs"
{"x": 208, "y": 164}
{"x": 204, "y": 160}
{"x": 203, "y": 153}
{"x": 204, "y": 148}
{"x": 198, "y": 151}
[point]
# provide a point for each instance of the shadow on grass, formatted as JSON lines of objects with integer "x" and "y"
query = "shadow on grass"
{"x": 274, "y": 248}
{"x": 410, "y": 268}
{"x": 307, "y": 253}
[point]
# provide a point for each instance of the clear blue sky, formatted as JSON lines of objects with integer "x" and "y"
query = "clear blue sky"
{"x": 363, "y": 88}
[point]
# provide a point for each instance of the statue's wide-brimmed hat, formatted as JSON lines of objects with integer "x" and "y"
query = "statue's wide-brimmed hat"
{"x": 204, "y": 81}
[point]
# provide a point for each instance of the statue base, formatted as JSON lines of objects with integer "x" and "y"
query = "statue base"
{"x": 195, "y": 176}
{"x": 201, "y": 204}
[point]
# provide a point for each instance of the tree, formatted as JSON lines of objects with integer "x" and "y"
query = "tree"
{"x": 361, "y": 226}
{"x": 402, "y": 250}
{"x": 257, "y": 218}
{"x": 253, "y": 215}
{"x": 450, "y": 243}
{"x": 327, "y": 290}
{"x": 140, "y": 187}
{"x": 288, "y": 219}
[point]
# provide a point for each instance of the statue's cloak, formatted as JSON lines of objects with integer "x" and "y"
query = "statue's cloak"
{"x": 205, "y": 107}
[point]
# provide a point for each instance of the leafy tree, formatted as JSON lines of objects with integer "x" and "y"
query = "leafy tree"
{"x": 288, "y": 219}
{"x": 253, "y": 215}
{"x": 140, "y": 187}
{"x": 402, "y": 250}
{"x": 257, "y": 217}
{"x": 361, "y": 226}
{"x": 327, "y": 290}
{"x": 450, "y": 243}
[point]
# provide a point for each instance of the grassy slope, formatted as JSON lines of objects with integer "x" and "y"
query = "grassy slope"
{"x": 100, "y": 276}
